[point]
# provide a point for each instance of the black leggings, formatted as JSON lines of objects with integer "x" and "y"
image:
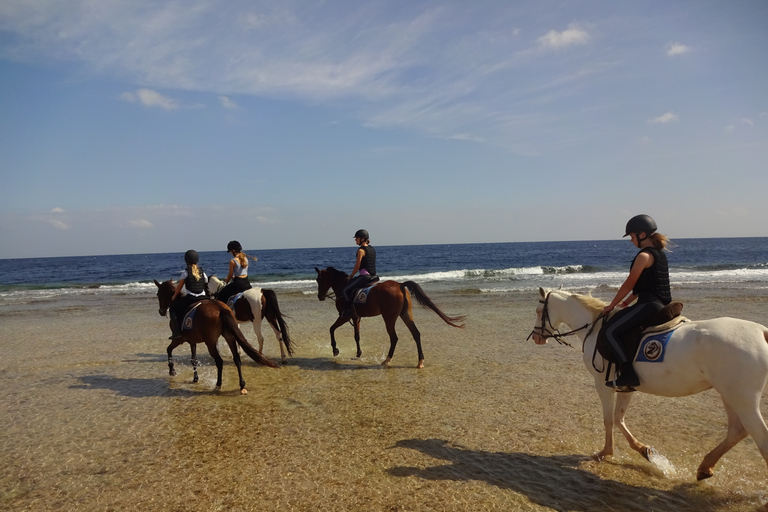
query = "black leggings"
{"x": 626, "y": 320}
{"x": 355, "y": 284}
{"x": 238, "y": 284}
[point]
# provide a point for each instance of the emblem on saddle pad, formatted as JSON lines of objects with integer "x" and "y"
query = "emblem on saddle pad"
{"x": 652, "y": 347}
{"x": 189, "y": 318}
{"x": 361, "y": 297}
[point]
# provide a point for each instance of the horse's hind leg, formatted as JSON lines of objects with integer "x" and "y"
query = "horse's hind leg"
{"x": 736, "y": 432}
{"x": 218, "y": 360}
{"x": 408, "y": 321}
{"x": 389, "y": 322}
{"x": 238, "y": 363}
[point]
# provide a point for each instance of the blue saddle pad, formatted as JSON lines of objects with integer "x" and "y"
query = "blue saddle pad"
{"x": 361, "y": 297}
{"x": 189, "y": 318}
{"x": 231, "y": 301}
{"x": 653, "y": 347}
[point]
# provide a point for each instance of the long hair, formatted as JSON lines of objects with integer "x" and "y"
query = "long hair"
{"x": 660, "y": 241}
{"x": 195, "y": 268}
{"x": 242, "y": 258}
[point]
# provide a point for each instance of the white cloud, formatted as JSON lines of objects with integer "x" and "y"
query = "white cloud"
{"x": 677, "y": 49}
{"x": 141, "y": 223}
{"x": 669, "y": 117}
{"x": 227, "y": 103}
{"x": 568, "y": 37}
{"x": 58, "y": 210}
{"x": 150, "y": 98}
{"x": 748, "y": 121}
{"x": 59, "y": 224}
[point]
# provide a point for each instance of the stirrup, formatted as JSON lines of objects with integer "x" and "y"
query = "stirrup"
{"x": 619, "y": 389}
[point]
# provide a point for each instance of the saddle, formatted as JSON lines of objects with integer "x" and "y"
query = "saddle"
{"x": 631, "y": 340}
{"x": 360, "y": 295}
{"x": 189, "y": 317}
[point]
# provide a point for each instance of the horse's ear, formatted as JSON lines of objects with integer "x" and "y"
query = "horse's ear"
{"x": 156, "y": 283}
{"x": 317, "y": 270}
{"x": 542, "y": 292}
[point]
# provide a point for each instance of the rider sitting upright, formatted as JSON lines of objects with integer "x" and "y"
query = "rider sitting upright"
{"x": 365, "y": 264}
{"x": 648, "y": 281}
{"x": 192, "y": 282}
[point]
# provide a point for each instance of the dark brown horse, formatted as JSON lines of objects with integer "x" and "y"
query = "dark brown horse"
{"x": 389, "y": 299}
{"x": 212, "y": 320}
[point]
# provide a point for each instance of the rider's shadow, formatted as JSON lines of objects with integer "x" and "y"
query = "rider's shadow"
{"x": 555, "y": 482}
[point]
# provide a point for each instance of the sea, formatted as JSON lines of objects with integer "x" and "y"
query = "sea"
{"x": 583, "y": 266}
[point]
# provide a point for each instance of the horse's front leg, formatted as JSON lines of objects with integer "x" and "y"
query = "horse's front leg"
{"x": 218, "y": 360}
{"x": 339, "y": 322}
{"x": 195, "y": 363}
{"x": 236, "y": 358}
{"x": 607, "y": 398}
{"x": 174, "y": 343}
{"x": 620, "y": 410}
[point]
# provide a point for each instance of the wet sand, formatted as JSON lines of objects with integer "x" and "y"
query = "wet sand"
{"x": 93, "y": 421}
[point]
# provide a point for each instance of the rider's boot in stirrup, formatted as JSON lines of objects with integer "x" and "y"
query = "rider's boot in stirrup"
{"x": 627, "y": 379}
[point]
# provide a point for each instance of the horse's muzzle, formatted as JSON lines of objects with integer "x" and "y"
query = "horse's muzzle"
{"x": 320, "y": 297}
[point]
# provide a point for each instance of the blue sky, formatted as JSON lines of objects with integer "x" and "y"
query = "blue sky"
{"x": 142, "y": 126}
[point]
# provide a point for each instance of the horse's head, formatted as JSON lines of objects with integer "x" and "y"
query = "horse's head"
{"x": 214, "y": 285}
{"x": 329, "y": 278}
{"x": 164, "y": 295}
{"x": 547, "y": 320}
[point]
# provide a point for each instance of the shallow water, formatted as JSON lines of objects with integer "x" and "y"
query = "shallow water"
{"x": 94, "y": 422}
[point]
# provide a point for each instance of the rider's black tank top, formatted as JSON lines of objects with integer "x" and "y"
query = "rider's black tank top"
{"x": 654, "y": 280}
{"x": 369, "y": 259}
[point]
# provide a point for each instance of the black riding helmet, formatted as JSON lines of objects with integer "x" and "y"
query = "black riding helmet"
{"x": 191, "y": 257}
{"x": 234, "y": 245}
{"x": 361, "y": 233}
{"x": 641, "y": 224}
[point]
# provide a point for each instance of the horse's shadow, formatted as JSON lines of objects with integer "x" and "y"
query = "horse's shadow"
{"x": 328, "y": 365}
{"x": 555, "y": 482}
{"x": 135, "y": 388}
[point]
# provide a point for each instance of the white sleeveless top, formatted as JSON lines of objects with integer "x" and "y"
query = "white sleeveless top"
{"x": 239, "y": 271}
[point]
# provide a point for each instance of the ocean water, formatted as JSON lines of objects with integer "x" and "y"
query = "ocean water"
{"x": 484, "y": 268}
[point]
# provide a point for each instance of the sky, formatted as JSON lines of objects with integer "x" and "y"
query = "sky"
{"x": 139, "y": 126}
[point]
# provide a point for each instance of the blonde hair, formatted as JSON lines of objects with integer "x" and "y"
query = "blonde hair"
{"x": 195, "y": 270}
{"x": 242, "y": 258}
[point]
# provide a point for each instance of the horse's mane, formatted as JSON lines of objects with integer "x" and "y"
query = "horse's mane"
{"x": 334, "y": 272}
{"x": 590, "y": 302}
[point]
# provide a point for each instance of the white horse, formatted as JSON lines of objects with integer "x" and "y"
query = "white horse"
{"x": 259, "y": 304}
{"x": 727, "y": 354}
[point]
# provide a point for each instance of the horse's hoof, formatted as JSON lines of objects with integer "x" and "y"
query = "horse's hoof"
{"x": 421, "y": 364}
{"x": 599, "y": 456}
{"x": 172, "y": 373}
{"x": 335, "y": 352}
{"x": 243, "y": 391}
{"x": 704, "y": 474}
{"x": 648, "y": 451}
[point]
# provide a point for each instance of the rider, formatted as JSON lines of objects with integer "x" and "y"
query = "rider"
{"x": 238, "y": 272}
{"x": 192, "y": 281}
{"x": 648, "y": 281}
{"x": 365, "y": 263}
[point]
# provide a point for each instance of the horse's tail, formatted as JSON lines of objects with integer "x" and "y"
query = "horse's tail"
{"x": 425, "y": 301}
{"x": 229, "y": 325}
{"x": 275, "y": 318}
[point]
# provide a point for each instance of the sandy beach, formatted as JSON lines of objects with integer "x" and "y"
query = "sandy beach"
{"x": 93, "y": 421}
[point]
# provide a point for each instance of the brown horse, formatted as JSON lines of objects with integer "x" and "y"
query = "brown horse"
{"x": 212, "y": 320}
{"x": 389, "y": 299}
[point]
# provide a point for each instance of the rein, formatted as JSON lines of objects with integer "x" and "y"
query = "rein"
{"x": 553, "y": 332}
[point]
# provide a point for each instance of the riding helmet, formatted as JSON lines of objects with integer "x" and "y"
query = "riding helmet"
{"x": 641, "y": 224}
{"x": 191, "y": 257}
{"x": 234, "y": 245}
{"x": 361, "y": 233}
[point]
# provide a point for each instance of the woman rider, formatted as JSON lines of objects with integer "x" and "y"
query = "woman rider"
{"x": 648, "y": 282}
{"x": 365, "y": 264}
{"x": 192, "y": 281}
{"x": 238, "y": 272}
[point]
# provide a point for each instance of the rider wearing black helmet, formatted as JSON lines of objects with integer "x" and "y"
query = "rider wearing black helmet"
{"x": 365, "y": 264}
{"x": 648, "y": 282}
{"x": 192, "y": 282}
{"x": 238, "y": 272}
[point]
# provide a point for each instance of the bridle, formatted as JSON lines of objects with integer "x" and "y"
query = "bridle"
{"x": 553, "y": 332}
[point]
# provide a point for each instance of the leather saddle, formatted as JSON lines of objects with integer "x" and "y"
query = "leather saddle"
{"x": 631, "y": 340}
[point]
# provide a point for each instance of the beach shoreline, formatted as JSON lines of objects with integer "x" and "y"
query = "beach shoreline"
{"x": 491, "y": 423}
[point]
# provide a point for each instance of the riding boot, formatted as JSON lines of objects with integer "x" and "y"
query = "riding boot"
{"x": 349, "y": 311}
{"x": 627, "y": 379}
{"x": 175, "y": 328}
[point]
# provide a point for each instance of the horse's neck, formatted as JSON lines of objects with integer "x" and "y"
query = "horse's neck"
{"x": 575, "y": 315}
